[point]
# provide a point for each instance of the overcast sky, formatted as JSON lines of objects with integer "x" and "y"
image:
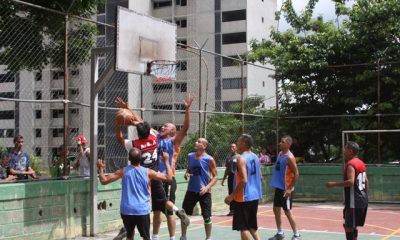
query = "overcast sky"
{"x": 326, "y": 8}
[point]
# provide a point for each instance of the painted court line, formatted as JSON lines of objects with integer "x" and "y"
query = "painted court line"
{"x": 392, "y": 234}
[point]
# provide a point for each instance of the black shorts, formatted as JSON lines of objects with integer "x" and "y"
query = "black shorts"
{"x": 160, "y": 193}
{"x": 191, "y": 199}
{"x": 141, "y": 221}
{"x": 354, "y": 217}
{"x": 245, "y": 217}
{"x": 280, "y": 201}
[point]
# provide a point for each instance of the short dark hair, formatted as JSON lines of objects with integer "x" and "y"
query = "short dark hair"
{"x": 353, "y": 146}
{"x": 143, "y": 130}
{"x": 247, "y": 139}
{"x": 18, "y": 137}
{"x": 135, "y": 156}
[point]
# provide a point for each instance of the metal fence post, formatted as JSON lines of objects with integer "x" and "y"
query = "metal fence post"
{"x": 242, "y": 94}
{"x": 65, "y": 132}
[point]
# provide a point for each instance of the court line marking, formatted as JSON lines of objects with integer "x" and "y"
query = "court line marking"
{"x": 201, "y": 225}
{"x": 392, "y": 234}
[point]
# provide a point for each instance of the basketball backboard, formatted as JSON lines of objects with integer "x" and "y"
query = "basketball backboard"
{"x": 141, "y": 39}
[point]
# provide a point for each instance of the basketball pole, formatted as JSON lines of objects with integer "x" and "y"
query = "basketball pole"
{"x": 96, "y": 84}
{"x": 200, "y": 63}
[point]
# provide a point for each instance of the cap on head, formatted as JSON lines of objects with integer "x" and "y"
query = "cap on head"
{"x": 82, "y": 139}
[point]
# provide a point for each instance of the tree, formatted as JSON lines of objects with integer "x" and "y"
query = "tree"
{"x": 304, "y": 55}
{"x": 31, "y": 38}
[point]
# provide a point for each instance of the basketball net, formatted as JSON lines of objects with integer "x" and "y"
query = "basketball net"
{"x": 164, "y": 71}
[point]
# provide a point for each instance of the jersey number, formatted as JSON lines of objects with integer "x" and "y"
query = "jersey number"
{"x": 149, "y": 158}
{"x": 361, "y": 180}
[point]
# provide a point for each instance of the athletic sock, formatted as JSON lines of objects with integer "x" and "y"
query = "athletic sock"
{"x": 172, "y": 238}
{"x": 154, "y": 237}
{"x": 280, "y": 231}
{"x": 355, "y": 234}
{"x": 175, "y": 208}
{"x": 349, "y": 235}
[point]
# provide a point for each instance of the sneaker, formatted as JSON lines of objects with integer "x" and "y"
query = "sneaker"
{"x": 182, "y": 238}
{"x": 298, "y": 237}
{"x": 277, "y": 237}
{"x": 184, "y": 218}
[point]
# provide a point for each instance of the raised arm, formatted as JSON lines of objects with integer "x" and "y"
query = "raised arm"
{"x": 182, "y": 132}
{"x": 241, "y": 170}
{"x": 122, "y": 104}
{"x": 112, "y": 177}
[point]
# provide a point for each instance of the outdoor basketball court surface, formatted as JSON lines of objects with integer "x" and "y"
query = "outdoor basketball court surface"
{"x": 320, "y": 221}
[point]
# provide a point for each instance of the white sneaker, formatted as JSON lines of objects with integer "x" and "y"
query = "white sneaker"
{"x": 298, "y": 237}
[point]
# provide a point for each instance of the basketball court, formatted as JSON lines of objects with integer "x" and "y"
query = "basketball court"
{"x": 315, "y": 221}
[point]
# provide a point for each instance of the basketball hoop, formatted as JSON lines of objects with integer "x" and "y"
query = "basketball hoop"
{"x": 163, "y": 70}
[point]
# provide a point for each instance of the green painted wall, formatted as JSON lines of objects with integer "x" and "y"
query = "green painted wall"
{"x": 58, "y": 209}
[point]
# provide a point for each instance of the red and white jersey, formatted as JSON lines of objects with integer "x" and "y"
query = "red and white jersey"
{"x": 356, "y": 195}
{"x": 148, "y": 147}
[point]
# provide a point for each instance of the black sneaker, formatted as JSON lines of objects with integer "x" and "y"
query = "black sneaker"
{"x": 184, "y": 218}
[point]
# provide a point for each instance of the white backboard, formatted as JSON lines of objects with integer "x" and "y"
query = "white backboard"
{"x": 141, "y": 39}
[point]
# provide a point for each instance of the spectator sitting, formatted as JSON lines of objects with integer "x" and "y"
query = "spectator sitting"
{"x": 5, "y": 168}
{"x": 263, "y": 157}
{"x": 19, "y": 163}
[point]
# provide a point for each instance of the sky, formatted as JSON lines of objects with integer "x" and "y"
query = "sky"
{"x": 326, "y": 8}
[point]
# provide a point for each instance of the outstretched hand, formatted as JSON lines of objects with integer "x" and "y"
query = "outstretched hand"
{"x": 101, "y": 164}
{"x": 189, "y": 101}
{"x": 121, "y": 103}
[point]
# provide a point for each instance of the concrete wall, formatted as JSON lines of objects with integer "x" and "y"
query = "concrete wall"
{"x": 60, "y": 209}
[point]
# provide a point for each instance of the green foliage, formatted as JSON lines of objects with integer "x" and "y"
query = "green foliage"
{"x": 36, "y": 164}
{"x": 303, "y": 55}
{"x": 41, "y": 34}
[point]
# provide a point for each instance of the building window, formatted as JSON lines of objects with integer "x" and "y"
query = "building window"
{"x": 182, "y": 23}
{"x": 38, "y": 114}
{"x": 7, "y": 114}
{"x": 180, "y": 107}
{"x": 100, "y": 135}
{"x": 162, "y": 4}
{"x": 38, "y": 132}
{"x": 159, "y": 88}
{"x": 181, "y": 3}
{"x": 182, "y": 87}
{"x": 233, "y": 83}
{"x": 236, "y": 15}
{"x": 38, "y": 76}
{"x": 183, "y": 42}
{"x": 231, "y": 38}
{"x": 58, "y": 132}
{"x": 38, "y": 152}
{"x": 38, "y": 95}
{"x": 56, "y": 75}
{"x": 4, "y": 78}
{"x": 262, "y": 19}
{"x": 74, "y": 110}
{"x": 74, "y": 91}
{"x": 57, "y": 94}
{"x": 161, "y": 107}
{"x": 263, "y": 84}
{"x": 101, "y": 7}
{"x": 228, "y": 105}
{"x": 232, "y": 61}
{"x": 74, "y": 131}
{"x": 6, "y": 133}
{"x": 7, "y": 94}
{"x": 181, "y": 65}
{"x": 75, "y": 72}
{"x": 57, "y": 113}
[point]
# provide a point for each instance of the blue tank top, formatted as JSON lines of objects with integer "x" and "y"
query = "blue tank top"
{"x": 165, "y": 145}
{"x": 135, "y": 194}
{"x": 253, "y": 188}
{"x": 199, "y": 170}
{"x": 280, "y": 169}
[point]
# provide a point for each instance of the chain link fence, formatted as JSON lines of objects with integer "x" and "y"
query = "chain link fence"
{"x": 48, "y": 105}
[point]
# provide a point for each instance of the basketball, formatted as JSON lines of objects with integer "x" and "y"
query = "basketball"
{"x": 124, "y": 117}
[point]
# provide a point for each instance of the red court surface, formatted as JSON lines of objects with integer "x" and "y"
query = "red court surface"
{"x": 316, "y": 219}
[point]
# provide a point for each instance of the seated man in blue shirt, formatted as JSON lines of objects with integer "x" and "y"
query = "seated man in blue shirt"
{"x": 19, "y": 163}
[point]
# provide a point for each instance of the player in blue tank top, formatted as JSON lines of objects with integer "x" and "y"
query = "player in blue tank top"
{"x": 168, "y": 140}
{"x": 247, "y": 190}
{"x": 135, "y": 192}
{"x": 200, "y": 164}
